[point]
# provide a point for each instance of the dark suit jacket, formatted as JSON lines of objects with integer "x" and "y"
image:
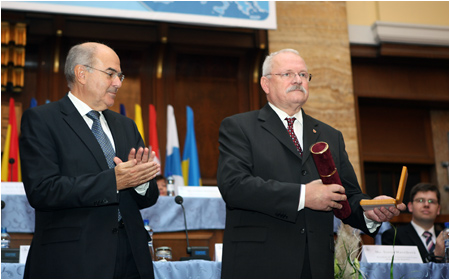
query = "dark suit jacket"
{"x": 406, "y": 235}
{"x": 68, "y": 182}
{"x": 259, "y": 177}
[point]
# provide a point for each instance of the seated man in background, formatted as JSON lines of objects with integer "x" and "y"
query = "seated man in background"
{"x": 425, "y": 206}
{"x": 162, "y": 184}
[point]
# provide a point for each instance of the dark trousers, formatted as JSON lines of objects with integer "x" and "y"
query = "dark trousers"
{"x": 306, "y": 270}
{"x": 125, "y": 264}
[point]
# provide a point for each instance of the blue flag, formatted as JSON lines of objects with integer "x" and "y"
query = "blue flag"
{"x": 190, "y": 164}
{"x": 33, "y": 102}
{"x": 122, "y": 110}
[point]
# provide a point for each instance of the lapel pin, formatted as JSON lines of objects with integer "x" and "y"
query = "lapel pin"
{"x": 314, "y": 131}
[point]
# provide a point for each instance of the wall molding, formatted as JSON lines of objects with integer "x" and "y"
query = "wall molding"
{"x": 399, "y": 33}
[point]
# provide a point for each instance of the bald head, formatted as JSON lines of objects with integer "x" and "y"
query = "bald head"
{"x": 268, "y": 62}
{"x": 94, "y": 74}
{"x": 81, "y": 54}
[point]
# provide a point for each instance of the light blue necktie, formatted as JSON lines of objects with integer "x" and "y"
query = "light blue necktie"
{"x": 103, "y": 140}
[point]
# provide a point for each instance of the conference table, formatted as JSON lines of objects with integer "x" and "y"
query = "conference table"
{"x": 202, "y": 213}
{"x": 200, "y": 269}
{"x": 193, "y": 269}
{"x": 165, "y": 216}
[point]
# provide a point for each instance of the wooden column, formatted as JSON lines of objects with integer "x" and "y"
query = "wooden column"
{"x": 440, "y": 127}
{"x": 318, "y": 30}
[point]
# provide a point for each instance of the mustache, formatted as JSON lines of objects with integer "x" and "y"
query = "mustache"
{"x": 296, "y": 87}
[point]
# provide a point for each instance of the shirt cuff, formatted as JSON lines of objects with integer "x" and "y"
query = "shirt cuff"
{"x": 142, "y": 189}
{"x": 370, "y": 224}
{"x": 301, "y": 203}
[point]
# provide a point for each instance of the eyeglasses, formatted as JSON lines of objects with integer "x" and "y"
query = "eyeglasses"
{"x": 423, "y": 200}
{"x": 112, "y": 75}
{"x": 291, "y": 75}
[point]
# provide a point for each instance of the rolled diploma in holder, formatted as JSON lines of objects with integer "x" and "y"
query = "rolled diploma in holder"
{"x": 328, "y": 173}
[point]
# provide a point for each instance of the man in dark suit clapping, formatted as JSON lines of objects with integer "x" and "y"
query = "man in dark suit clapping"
{"x": 87, "y": 174}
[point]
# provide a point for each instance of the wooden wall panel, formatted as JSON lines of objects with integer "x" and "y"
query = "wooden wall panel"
{"x": 396, "y": 135}
{"x": 213, "y": 83}
{"x": 403, "y": 79}
{"x": 403, "y": 115}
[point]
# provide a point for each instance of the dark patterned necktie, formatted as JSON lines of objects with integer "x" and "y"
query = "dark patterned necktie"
{"x": 102, "y": 138}
{"x": 104, "y": 142}
{"x": 429, "y": 241}
{"x": 290, "y": 129}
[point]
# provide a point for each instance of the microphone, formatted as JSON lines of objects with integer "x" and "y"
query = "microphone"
{"x": 179, "y": 200}
{"x": 194, "y": 252}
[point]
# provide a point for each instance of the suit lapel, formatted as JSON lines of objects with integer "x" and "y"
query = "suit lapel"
{"x": 272, "y": 123}
{"x": 117, "y": 133}
{"x": 76, "y": 122}
{"x": 311, "y": 133}
{"x": 412, "y": 233}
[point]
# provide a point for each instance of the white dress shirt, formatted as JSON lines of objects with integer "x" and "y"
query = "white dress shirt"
{"x": 298, "y": 130}
{"x": 420, "y": 232}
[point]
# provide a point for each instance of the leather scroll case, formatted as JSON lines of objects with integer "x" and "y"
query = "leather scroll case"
{"x": 328, "y": 173}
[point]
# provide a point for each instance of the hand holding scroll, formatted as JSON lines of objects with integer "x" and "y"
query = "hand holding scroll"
{"x": 329, "y": 175}
{"x": 319, "y": 196}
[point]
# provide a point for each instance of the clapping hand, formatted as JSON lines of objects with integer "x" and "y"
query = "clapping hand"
{"x": 139, "y": 168}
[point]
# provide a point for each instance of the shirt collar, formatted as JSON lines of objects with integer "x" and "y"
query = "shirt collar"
{"x": 420, "y": 230}
{"x": 282, "y": 115}
{"x": 81, "y": 107}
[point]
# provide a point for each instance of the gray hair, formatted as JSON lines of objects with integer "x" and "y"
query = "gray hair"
{"x": 267, "y": 65}
{"x": 83, "y": 54}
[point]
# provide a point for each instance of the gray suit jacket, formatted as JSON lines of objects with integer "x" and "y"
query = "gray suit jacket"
{"x": 68, "y": 182}
{"x": 259, "y": 177}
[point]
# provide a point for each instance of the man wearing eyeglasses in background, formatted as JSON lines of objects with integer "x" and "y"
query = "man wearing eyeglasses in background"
{"x": 279, "y": 220}
{"x": 421, "y": 232}
{"x": 87, "y": 174}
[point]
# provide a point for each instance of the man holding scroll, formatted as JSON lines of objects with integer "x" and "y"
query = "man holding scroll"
{"x": 279, "y": 221}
